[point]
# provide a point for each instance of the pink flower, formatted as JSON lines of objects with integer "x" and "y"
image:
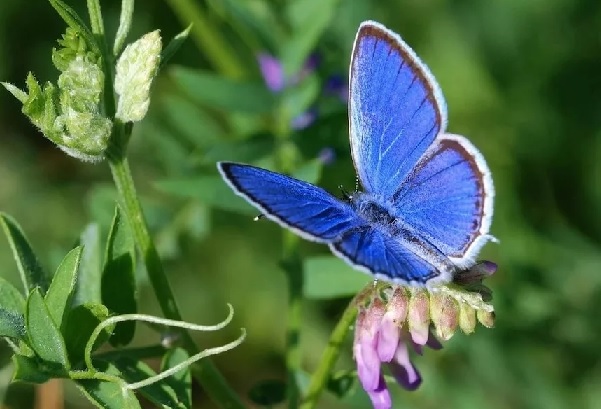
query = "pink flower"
{"x": 380, "y": 338}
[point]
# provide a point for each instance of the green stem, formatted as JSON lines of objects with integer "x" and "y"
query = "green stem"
{"x": 97, "y": 24}
{"x": 127, "y": 12}
{"x": 138, "y": 353}
{"x": 207, "y": 38}
{"x": 204, "y": 371}
{"x": 292, "y": 264}
{"x": 320, "y": 377}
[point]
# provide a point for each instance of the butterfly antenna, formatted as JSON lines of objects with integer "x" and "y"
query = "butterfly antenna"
{"x": 259, "y": 217}
{"x": 345, "y": 194}
{"x": 357, "y": 183}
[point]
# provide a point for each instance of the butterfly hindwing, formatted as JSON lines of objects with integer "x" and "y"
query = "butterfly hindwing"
{"x": 392, "y": 258}
{"x": 396, "y": 109}
{"x": 448, "y": 198}
{"x": 306, "y": 209}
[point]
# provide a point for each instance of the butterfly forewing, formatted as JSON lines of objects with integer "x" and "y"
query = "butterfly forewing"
{"x": 305, "y": 208}
{"x": 396, "y": 109}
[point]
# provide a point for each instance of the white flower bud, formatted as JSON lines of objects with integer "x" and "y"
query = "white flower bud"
{"x": 136, "y": 69}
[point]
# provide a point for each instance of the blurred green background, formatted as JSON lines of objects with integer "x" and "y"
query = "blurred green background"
{"x": 522, "y": 79}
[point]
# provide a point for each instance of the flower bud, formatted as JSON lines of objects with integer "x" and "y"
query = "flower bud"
{"x": 366, "y": 339}
{"x": 444, "y": 311}
{"x": 389, "y": 333}
{"x": 69, "y": 114}
{"x": 135, "y": 71}
{"x": 418, "y": 316}
{"x": 486, "y": 318}
{"x": 85, "y": 131}
{"x": 467, "y": 318}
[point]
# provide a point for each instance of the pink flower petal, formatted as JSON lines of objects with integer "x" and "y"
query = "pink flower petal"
{"x": 403, "y": 370}
{"x": 380, "y": 397}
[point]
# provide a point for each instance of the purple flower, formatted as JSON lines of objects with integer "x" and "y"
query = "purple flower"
{"x": 327, "y": 155}
{"x": 304, "y": 120}
{"x": 338, "y": 86}
{"x": 382, "y": 338}
{"x": 275, "y": 79}
{"x": 272, "y": 72}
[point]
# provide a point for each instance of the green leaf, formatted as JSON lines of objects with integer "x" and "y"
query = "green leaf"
{"x": 181, "y": 382}
{"x": 75, "y": 22}
{"x": 206, "y": 88}
{"x": 44, "y": 337}
{"x": 160, "y": 393}
{"x": 10, "y": 298}
{"x": 209, "y": 190}
{"x": 108, "y": 395}
{"x": 342, "y": 383}
{"x": 12, "y": 307}
{"x": 310, "y": 171}
{"x": 28, "y": 369}
{"x": 254, "y": 23}
{"x": 309, "y": 19}
{"x": 31, "y": 272}
{"x": 12, "y": 324}
{"x": 248, "y": 150}
{"x": 190, "y": 122}
{"x": 78, "y": 328}
{"x": 118, "y": 278}
{"x": 268, "y": 393}
{"x": 300, "y": 97}
{"x": 90, "y": 271}
{"x": 173, "y": 46}
{"x": 59, "y": 295}
{"x": 329, "y": 277}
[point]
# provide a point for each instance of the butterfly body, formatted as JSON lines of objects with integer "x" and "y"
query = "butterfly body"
{"x": 426, "y": 205}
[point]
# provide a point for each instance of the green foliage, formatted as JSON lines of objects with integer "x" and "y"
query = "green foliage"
{"x": 527, "y": 101}
{"x": 180, "y": 382}
{"x": 268, "y": 393}
{"x": 328, "y": 277}
{"x": 12, "y": 308}
{"x": 32, "y": 274}
{"x": 108, "y": 394}
{"x": 118, "y": 278}
{"x": 43, "y": 334}
{"x": 214, "y": 91}
{"x": 60, "y": 292}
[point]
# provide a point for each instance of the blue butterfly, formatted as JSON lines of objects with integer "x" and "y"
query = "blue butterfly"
{"x": 427, "y": 203}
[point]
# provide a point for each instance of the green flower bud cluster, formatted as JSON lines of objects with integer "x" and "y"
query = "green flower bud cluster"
{"x": 70, "y": 113}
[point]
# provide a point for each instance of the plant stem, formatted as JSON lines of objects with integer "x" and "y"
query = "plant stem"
{"x": 204, "y": 371}
{"x": 321, "y": 375}
{"x": 292, "y": 264}
{"x": 97, "y": 24}
{"x": 207, "y": 38}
